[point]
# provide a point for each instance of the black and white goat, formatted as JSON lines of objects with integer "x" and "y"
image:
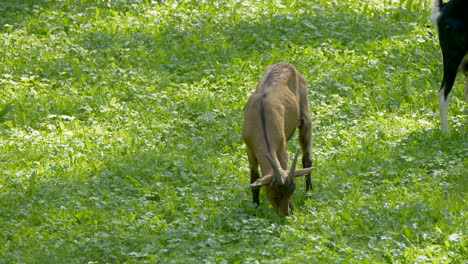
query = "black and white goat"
{"x": 451, "y": 21}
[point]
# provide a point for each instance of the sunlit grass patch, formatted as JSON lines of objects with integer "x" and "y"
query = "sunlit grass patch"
{"x": 120, "y": 133}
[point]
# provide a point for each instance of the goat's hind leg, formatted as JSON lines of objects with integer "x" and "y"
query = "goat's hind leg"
{"x": 443, "y": 108}
{"x": 305, "y": 138}
{"x": 451, "y": 67}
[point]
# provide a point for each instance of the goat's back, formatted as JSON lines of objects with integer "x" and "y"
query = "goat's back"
{"x": 272, "y": 111}
{"x": 279, "y": 76}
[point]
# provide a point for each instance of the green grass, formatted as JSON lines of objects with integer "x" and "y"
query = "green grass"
{"x": 120, "y": 131}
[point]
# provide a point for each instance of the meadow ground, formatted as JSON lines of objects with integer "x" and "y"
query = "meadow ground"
{"x": 120, "y": 128}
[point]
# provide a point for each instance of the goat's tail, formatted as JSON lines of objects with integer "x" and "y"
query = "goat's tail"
{"x": 293, "y": 79}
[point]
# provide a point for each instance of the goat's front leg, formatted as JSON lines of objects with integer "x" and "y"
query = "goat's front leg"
{"x": 255, "y": 190}
{"x": 254, "y": 175}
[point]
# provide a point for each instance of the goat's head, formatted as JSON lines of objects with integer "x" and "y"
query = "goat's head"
{"x": 280, "y": 185}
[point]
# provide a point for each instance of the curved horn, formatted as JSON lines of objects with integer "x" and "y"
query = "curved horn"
{"x": 292, "y": 171}
{"x": 277, "y": 175}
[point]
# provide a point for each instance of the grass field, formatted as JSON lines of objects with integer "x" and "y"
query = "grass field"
{"x": 120, "y": 127}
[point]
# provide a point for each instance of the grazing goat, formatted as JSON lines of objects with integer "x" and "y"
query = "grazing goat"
{"x": 278, "y": 106}
{"x": 451, "y": 21}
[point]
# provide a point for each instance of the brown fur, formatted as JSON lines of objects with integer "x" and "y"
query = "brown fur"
{"x": 278, "y": 106}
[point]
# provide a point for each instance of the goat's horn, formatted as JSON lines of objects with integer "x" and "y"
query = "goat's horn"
{"x": 277, "y": 175}
{"x": 292, "y": 171}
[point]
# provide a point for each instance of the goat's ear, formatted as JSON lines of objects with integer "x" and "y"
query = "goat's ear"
{"x": 303, "y": 172}
{"x": 262, "y": 181}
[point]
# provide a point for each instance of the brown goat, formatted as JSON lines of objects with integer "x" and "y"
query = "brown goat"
{"x": 278, "y": 106}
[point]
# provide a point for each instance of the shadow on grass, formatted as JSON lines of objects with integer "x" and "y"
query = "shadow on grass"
{"x": 14, "y": 13}
{"x": 181, "y": 53}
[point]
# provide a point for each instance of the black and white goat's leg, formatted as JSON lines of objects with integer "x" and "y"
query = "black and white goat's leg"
{"x": 451, "y": 66}
{"x": 451, "y": 22}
